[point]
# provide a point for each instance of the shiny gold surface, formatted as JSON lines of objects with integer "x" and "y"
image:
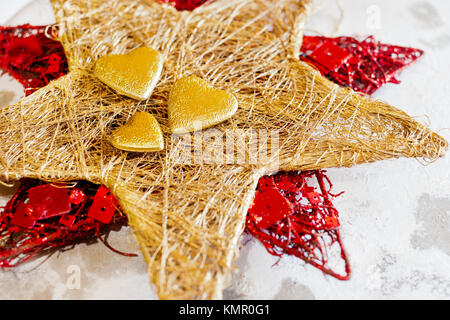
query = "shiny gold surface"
{"x": 193, "y": 105}
{"x": 134, "y": 74}
{"x": 141, "y": 133}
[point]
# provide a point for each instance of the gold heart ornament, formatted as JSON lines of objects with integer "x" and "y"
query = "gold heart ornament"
{"x": 134, "y": 74}
{"x": 141, "y": 133}
{"x": 194, "y": 105}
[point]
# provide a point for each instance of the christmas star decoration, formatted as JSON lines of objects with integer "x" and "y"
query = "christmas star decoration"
{"x": 188, "y": 215}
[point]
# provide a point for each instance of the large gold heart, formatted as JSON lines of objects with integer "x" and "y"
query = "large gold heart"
{"x": 134, "y": 74}
{"x": 193, "y": 105}
{"x": 140, "y": 134}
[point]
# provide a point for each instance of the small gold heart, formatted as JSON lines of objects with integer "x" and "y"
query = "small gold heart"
{"x": 134, "y": 74}
{"x": 193, "y": 105}
{"x": 140, "y": 134}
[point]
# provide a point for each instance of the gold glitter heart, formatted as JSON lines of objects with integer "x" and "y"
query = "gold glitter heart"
{"x": 141, "y": 133}
{"x": 193, "y": 105}
{"x": 134, "y": 74}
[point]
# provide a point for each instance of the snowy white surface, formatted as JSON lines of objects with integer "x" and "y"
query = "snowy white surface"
{"x": 395, "y": 214}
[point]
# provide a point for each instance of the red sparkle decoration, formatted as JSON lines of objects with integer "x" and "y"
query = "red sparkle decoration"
{"x": 364, "y": 66}
{"x": 30, "y": 225}
{"x": 48, "y": 201}
{"x": 104, "y": 206}
{"x": 29, "y": 56}
{"x": 269, "y": 207}
{"x": 307, "y": 228}
{"x": 185, "y": 4}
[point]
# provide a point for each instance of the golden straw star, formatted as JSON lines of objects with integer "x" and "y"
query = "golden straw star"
{"x": 188, "y": 215}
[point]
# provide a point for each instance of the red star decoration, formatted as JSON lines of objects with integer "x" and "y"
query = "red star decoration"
{"x": 291, "y": 216}
{"x": 365, "y": 66}
{"x": 29, "y": 56}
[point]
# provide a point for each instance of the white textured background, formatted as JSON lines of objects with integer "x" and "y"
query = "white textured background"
{"x": 394, "y": 214}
